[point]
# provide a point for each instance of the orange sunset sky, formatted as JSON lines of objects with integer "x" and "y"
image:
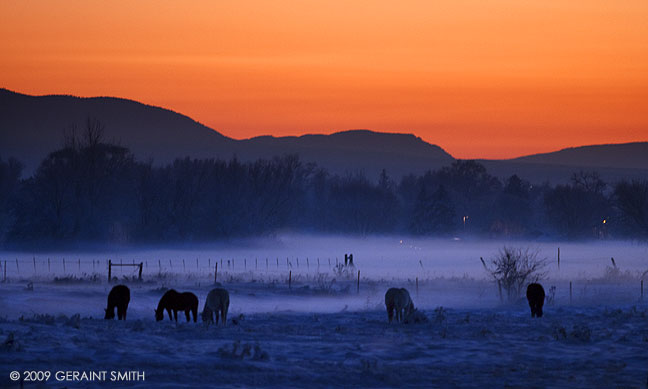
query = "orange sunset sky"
{"x": 489, "y": 79}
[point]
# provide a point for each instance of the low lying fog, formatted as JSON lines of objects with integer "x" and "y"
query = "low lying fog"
{"x": 448, "y": 272}
{"x": 378, "y": 258}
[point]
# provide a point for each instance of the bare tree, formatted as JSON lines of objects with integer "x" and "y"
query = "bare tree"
{"x": 514, "y": 267}
{"x": 90, "y": 136}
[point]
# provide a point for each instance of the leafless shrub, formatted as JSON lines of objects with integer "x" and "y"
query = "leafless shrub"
{"x": 324, "y": 283}
{"x": 551, "y": 295}
{"x": 344, "y": 271}
{"x": 514, "y": 267}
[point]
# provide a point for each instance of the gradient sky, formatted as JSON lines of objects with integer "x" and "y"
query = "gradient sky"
{"x": 490, "y": 79}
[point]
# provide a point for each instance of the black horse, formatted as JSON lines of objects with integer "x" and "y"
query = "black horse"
{"x": 119, "y": 297}
{"x": 174, "y": 301}
{"x": 536, "y": 295}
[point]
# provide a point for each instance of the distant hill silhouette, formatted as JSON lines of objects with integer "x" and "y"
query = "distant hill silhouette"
{"x": 558, "y": 174}
{"x": 612, "y": 161}
{"x": 623, "y": 155}
{"x": 353, "y": 151}
{"x": 33, "y": 126}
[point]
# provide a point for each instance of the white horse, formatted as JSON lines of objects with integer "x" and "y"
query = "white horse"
{"x": 398, "y": 300}
{"x": 217, "y": 302}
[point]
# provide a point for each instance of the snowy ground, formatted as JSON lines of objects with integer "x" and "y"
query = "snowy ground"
{"x": 322, "y": 332}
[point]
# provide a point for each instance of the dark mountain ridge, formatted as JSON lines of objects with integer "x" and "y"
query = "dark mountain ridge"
{"x": 33, "y": 126}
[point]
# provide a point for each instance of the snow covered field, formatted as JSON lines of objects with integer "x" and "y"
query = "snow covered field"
{"x": 322, "y": 331}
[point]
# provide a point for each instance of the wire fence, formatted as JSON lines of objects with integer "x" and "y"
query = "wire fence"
{"x": 293, "y": 268}
{"x": 59, "y": 267}
{"x": 613, "y": 284}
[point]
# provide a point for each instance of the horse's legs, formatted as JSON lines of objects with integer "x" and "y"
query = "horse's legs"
{"x": 175, "y": 315}
{"x": 224, "y": 316}
{"x": 194, "y": 311}
{"x": 217, "y": 316}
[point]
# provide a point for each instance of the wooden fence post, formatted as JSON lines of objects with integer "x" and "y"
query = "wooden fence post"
{"x": 109, "y": 270}
{"x": 216, "y": 272}
{"x": 358, "y": 291}
{"x": 289, "y": 279}
{"x": 141, "y": 265}
{"x": 34, "y": 265}
{"x": 570, "y": 292}
{"x": 641, "y": 290}
{"x": 558, "y": 257}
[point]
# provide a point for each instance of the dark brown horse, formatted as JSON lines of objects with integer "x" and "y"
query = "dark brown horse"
{"x": 174, "y": 301}
{"x": 119, "y": 297}
{"x": 535, "y": 295}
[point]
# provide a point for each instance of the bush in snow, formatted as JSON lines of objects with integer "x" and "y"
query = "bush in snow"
{"x": 243, "y": 351}
{"x": 512, "y": 268}
{"x": 415, "y": 316}
{"x": 324, "y": 283}
{"x": 440, "y": 315}
{"x": 344, "y": 271}
{"x": 551, "y": 296}
{"x": 74, "y": 321}
{"x": 10, "y": 344}
{"x": 38, "y": 318}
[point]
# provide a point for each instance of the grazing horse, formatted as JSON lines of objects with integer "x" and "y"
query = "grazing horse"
{"x": 119, "y": 297}
{"x": 217, "y": 302}
{"x": 174, "y": 301}
{"x": 536, "y": 295}
{"x": 398, "y": 300}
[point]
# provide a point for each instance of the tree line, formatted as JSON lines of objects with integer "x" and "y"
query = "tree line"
{"x": 91, "y": 190}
